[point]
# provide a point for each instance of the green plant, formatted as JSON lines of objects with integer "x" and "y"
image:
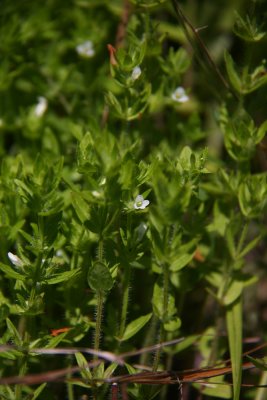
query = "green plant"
{"x": 132, "y": 209}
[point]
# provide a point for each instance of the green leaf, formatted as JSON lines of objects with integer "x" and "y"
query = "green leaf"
{"x": 99, "y": 277}
{"x": 80, "y": 206}
{"x": 233, "y": 75}
{"x": 230, "y": 239}
{"x": 233, "y": 292}
{"x": 234, "y": 329}
{"x": 220, "y": 220}
{"x": 247, "y": 29}
{"x": 23, "y": 189}
{"x": 185, "y": 158}
{"x": 135, "y": 326}
{"x": 110, "y": 370}
{"x": 261, "y": 132}
{"x": 216, "y": 388}
{"x": 245, "y": 82}
{"x": 181, "y": 261}
{"x": 185, "y": 343}
{"x": 51, "y": 227}
{"x": 54, "y": 341}
{"x": 11, "y": 354}
{"x": 252, "y": 195}
{"x": 158, "y": 301}
{"x": 88, "y": 161}
{"x": 13, "y": 332}
{"x": 249, "y": 246}
{"x": 260, "y": 363}
{"x": 83, "y": 364}
{"x": 38, "y": 391}
{"x": 11, "y": 273}
{"x": 99, "y": 371}
{"x": 64, "y": 276}
{"x": 173, "y": 325}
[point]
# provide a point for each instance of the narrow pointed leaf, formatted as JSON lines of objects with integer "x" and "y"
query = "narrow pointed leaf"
{"x": 135, "y": 326}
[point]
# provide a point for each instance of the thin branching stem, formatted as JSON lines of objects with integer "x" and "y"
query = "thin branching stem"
{"x": 165, "y": 313}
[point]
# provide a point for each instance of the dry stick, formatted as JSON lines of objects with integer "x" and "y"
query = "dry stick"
{"x": 122, "y": 27}
{"x": 114, "y": 391}
{"x": 188, "y": 27}
{"x": 124, "y": 393}
{"x": 150, "y": 378}
{"x": 172, "y": 377}
{"x": 106, "y": 355}
{"x": 55, "y": 375}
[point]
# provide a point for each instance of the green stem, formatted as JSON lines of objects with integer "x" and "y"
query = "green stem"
{"x": 126, "y": 282}
{"x": 41, "y": 229}
{"x": 22, "y": 372}
{"x": 243, "y": 237}
{"x": 125, "y": 298}
{"x": 70, "y": 386}
{"x": 165, "y": 314}
{"x": 70, "y": 391}
{"x": 99, "y": 313}
{"x": 100, "y": 249}
{"x": 100, "y": 302}
{"x": 165, "y": 290}
{"x": 74, "y": 259}
{"x": 149, "y": 340}
{"x": 262, "y": 392}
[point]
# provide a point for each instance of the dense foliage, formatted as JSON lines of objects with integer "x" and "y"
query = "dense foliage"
{"x": 132, "y": 189}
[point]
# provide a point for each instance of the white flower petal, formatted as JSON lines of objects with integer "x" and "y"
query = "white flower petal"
{"x": 140, "y": 203}
{"x": 15, "y": 259}
{"x": 136, "y": 73}
{"x": 145, "y": 204}
{"x": 40, "y": 107}
{"x": 86, "y": 49}
{"x": 179, "y": 95}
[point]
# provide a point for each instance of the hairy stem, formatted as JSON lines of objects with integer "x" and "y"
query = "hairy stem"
{"x": 165, "y": 314}
{"x": 126, "y": 282}
{"x": 99, "y": 313}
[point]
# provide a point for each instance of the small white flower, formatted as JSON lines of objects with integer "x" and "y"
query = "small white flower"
{"x": 136, "y": 73}
{"x": 59, "y": 253}
{"x": 140, "y": 203}
{"x": 179, "y": 95}
{"x": 15, "y": 259}
{"x": 95, "y": 193}
{"x": 86, "y": 49}
{"x": 40, "y": 107}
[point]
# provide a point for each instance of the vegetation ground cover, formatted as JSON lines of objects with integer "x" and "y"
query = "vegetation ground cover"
{"x": 132, "y": 194}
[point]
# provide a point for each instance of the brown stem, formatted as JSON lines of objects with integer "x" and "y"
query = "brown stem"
{"x": 121, "y": 31}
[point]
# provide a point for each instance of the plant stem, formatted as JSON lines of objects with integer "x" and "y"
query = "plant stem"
{"x": 262, "y": 392}
{"x": 75, "y": 257}
{"x": 125, "y": 298}
{"x": 100, "y": 302}
{"x": 100, "y": 249}
{"x": 149, "y": 340}
{"x": 22, "y": 371}
{"x": 126, "y": 282}
{"x": 165, "y": 314}
{"x": 70, "y": 388}
{"x": 99, "y": 313}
